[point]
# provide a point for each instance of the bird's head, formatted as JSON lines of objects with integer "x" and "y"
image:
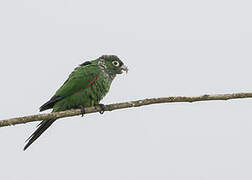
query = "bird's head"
{"x": 114, "y": 64}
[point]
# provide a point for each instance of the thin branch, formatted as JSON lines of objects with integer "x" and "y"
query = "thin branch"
{"x": 111, "y": 107}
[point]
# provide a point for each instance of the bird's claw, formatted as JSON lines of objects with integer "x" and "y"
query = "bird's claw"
{"x": 102, "y": 106}
{"x": 83, "y": 111}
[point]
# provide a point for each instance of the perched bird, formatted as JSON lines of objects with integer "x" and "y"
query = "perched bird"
{"x": 85, "y": 87}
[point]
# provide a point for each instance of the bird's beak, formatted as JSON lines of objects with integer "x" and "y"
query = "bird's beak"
{"x": 124, "y": 68}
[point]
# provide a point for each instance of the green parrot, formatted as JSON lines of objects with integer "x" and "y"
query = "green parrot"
{"x": 85, "y": 86}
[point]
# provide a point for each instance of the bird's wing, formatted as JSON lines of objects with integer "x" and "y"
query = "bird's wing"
{"x": 81, "y": 78}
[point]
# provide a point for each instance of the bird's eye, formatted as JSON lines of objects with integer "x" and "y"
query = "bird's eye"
{"x": 115, "y": 63}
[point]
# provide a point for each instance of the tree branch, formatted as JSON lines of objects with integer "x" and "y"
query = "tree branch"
{"x": 111, "y": 107}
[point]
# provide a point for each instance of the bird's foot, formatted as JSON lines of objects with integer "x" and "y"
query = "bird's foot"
{"x": 83, "y": 111}
{"x": 102, "y": 106}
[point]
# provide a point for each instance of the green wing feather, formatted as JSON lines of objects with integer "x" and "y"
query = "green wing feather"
{"x": 78, "y": 79}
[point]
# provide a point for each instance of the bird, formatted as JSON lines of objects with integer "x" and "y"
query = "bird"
{"x": 85, "y": 87}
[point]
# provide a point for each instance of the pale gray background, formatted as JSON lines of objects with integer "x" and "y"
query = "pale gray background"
{"x": 171, "y": 48}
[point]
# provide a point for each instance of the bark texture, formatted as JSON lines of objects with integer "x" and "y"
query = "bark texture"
{"x": 111, "y": 107}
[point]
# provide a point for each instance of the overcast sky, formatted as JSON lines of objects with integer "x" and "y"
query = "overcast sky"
{"x": 171, "y": 48}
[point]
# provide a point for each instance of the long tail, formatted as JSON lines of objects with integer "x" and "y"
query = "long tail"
{"x": 41, "y": 128}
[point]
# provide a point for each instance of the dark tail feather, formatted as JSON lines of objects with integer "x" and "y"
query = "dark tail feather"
{"x": 41, "y": 128}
